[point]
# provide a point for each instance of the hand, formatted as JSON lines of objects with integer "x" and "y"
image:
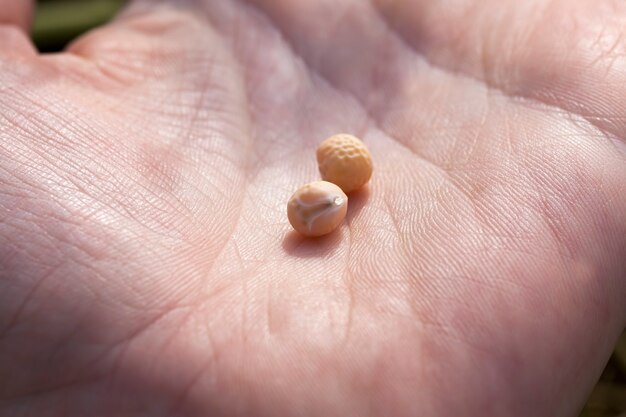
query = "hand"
{"x": 147, "y": 267}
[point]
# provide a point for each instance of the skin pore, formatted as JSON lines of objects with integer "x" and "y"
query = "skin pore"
{"x": 147, "y": 267}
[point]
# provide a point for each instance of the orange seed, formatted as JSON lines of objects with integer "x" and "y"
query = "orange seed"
{"x": 344, "y": 160}
{"x": 317, "y": 208}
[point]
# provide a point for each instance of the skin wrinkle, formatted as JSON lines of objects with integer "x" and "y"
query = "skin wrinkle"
{"x": 119, "y": 349}
{"x": 490, "y": 86}
{"x": 512, "y": 230}
{"x": 397, "y": 35}
{"x": 249, "y": 120}
{"x": 178, "y": 401}
{"x": 609, "y": 53}
{"x": 85, "y": 175}
{"x": 454, "y": 183}
{"x": 14, "y": 318}
{"x": 52, "y": 355}
{"x": 247, "y": 124}
{"x": 47, "y": 121}
{"x": 348, "y": 279}
{"x": 565, "y": 191}
{"x": 287, "y": 367}
{"x": 471, "y": 199}
{"x": 51, "y": 236}
{"x": 98, "y": 49}
{"x": 610, "y": 134}
{"x": 244, "y": 326}
{"x": 108, "y": 354}
{"x": 179, "y": 404}
{"x": 190, "y": 127}
{"x": 27, "y": 396}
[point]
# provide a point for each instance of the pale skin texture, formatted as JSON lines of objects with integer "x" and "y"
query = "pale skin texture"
{"x": 317, "y": 208}
{"x": 146, "y": 265}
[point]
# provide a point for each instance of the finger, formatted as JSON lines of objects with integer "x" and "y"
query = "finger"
{"x": 15, "y": 22}
{"x": 17, "y": 13}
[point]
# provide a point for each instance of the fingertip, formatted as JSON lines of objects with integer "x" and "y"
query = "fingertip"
{"x": 16, "y": 17}
{"x": 18, "y": 13}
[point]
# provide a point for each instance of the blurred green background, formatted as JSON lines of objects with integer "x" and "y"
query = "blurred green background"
{"x": 59, "y": 21}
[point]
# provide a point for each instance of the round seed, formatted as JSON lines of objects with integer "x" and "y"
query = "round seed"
{"x": 344, "y": 160}
{"x": 317, "y": 208}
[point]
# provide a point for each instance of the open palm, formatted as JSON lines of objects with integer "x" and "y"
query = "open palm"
{"x": 147, "y": 267}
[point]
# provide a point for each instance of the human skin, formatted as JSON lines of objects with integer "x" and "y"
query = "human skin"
{"x": 147, "y": 267}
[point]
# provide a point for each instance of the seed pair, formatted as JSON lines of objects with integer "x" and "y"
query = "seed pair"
{"x": 319, "y": 207}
